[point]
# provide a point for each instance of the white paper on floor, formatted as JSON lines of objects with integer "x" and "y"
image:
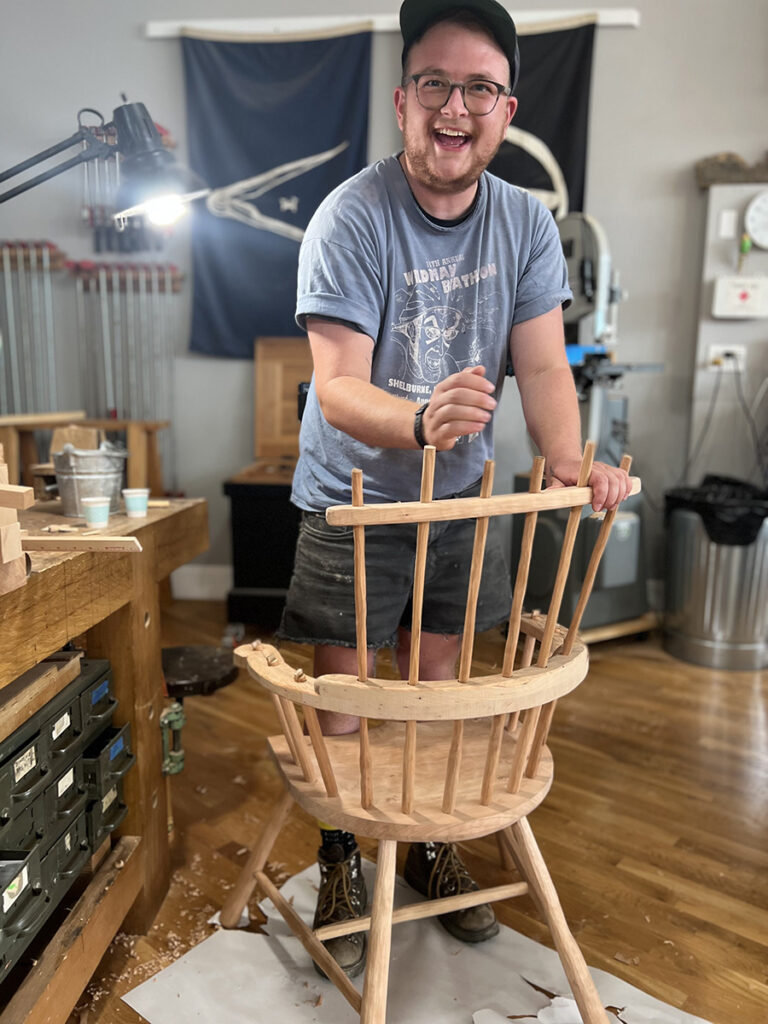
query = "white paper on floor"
{"x": 237, "y": 977}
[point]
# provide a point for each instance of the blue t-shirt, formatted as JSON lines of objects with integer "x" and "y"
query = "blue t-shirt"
{"x": 435, "y": 299}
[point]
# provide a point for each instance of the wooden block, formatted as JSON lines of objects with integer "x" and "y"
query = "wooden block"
{"x": 13, "y": 575}
{"x": 86, "y": 438}
{"x": 8, "y": 516}
{"x": 3, "y": 473}
{"x": 10, "y": 543}
{"x": 13, "y": 496}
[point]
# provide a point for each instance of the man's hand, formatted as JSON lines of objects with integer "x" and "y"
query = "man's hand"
{"x": 609, "y": 484}
{"x": 461, "y": 404}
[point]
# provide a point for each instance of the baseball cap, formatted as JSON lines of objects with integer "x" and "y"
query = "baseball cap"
{"x": 416, "y": 16}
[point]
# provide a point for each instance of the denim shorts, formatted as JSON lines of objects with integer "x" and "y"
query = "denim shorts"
{"x": 320, "y": 607}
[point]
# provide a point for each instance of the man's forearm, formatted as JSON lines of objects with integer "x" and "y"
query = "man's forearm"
{"x": 368, "y": 413}
{"x": 551, "y": 409}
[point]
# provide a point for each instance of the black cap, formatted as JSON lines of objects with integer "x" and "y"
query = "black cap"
{"x": 416, "y": 16}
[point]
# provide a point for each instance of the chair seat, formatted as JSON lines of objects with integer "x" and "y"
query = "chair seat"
{"x": 384, "y": 819}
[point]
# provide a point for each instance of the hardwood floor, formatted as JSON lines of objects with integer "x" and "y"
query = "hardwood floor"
{"x": 655, "y": 830}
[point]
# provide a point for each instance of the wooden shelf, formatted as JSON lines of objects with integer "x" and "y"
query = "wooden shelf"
{"x": 53, "y": 987}
{"x": 34, "y": 688}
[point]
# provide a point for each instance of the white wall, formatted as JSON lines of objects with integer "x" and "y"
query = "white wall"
{"x": 691, "y": 81}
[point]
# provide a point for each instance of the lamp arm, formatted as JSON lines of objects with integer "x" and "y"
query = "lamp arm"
{"x": 94, "y": 149}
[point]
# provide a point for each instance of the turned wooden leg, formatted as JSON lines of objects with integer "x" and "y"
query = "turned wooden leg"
{"x": 374, "y": 1008}
{"x": 536, "y": 874}
{"x": 505, "y": 856}
{"x": 246, "y": 882}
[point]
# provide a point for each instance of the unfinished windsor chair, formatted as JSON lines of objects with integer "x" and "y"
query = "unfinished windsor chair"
{"x": 448, "y": 760}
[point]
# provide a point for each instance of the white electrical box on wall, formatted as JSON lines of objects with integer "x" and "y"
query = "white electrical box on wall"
{"x": 740, "y": 296}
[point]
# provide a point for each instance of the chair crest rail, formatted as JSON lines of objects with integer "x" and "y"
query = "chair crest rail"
{"x": 445, "y": 509}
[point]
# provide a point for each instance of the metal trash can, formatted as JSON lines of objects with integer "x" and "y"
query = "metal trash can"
{"x": 717, "y": 574}
{"x": 86, "y": 473}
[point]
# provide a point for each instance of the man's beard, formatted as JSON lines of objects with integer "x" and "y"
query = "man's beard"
{"x": 419, "y": 162}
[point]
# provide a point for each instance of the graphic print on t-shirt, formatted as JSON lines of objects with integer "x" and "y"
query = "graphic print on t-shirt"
{"x": 443, "y": 323}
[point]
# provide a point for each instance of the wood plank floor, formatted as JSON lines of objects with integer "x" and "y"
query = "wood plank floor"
{"x": 655, "y": 830}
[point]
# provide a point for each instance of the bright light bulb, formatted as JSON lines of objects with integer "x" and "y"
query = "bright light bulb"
{"x": 165, "y": 210}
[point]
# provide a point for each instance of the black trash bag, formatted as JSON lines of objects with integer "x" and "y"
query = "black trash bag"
{"x": 732, "y": 510}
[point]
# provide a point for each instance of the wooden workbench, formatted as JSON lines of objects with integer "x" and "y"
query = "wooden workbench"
{"x": 143, "y": 465}
{"x": 110, "y": 604}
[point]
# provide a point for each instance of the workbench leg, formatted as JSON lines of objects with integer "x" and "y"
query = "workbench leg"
{"x": 130, "y": 639}
{"x": 154, "y": 466}
{"x": 28, "y": 456}
{"x": 136, "y": 443}
{"x": 9, "y": 439}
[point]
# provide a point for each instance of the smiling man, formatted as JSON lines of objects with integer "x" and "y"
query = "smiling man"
{"x": 418, "y": 278}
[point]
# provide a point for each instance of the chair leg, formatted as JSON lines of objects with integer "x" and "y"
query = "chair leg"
{"x": 246, "y": 882}
{"x": 507, "y": 862}
{"x": 374, "y": 1008}
{"x": 536, "y": 874}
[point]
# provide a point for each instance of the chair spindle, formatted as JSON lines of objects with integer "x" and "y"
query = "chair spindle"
{"x": 492, "y": 759}
{"x": 475, "y": 574}
{"x": 419, "y": 573}
{"x": 563, "y": 566}
{"x": 594, "y": 562}
{"x": 294, "y": 728}
{"x": 523, "y": 569}
{"x": 361, "y": 616}
{"x": 321, "y": 750}
{"x": 453, "y": 767}
{"x": 366, "y": 769}
{"x": 522, "y": 750}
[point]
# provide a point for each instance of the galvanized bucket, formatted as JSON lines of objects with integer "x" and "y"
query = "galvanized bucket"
{"x": 96, "y": 473}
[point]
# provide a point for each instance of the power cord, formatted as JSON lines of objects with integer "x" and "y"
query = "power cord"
{"x": 761, "y": 464}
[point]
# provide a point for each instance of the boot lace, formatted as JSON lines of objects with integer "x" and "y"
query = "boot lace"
{"x": 338, "y": 898}
{"x": 449, "y": 876}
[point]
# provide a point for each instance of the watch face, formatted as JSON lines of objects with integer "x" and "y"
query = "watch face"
{"x": 756, "y": 220}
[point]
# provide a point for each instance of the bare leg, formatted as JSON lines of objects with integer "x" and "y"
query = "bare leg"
{"x": 437, "y": 655}
{"x": 343, "y": 660}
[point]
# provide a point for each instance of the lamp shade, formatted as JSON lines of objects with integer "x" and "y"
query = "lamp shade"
{"x": 148, "y": 169}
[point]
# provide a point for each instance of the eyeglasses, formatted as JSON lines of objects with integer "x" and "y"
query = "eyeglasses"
{"x": 480, "y": 96}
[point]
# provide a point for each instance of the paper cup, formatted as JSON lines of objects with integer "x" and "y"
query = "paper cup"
{"x": 95, "y": 510}
{"x": 135, "y": 499}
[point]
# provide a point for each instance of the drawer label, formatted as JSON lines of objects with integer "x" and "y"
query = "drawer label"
{"x": 100, "y": 692}
{"x": 109, "y": 799}
{"x": 61, "y": 726}
{"x": 24, "y": 764}
{"x": 68, "y": 842}
{"x": 65, "y": 782}
{"x": 12, "y": 892}
{"x": 117, "y": 747}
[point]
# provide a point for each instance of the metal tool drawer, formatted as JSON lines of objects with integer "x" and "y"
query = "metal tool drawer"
{"x": 104, "y": 815}
{"x": 107, "y": 759}
{"x": 97, "y": 702}
{"x": 24, "y": 774}
{"x": 25, "y": 829}
{"x": 65, "y": 798}
{"x": 23, "y": 905}
{"x": 62, "y": 727}
{"x": 65, "y": 859}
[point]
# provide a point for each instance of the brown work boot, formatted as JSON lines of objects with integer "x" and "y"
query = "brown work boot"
{"x": 436, "y": 870}
{"x": 342, "y": 896}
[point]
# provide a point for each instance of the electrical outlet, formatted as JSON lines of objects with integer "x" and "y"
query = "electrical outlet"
{"x": 730, "y": 358}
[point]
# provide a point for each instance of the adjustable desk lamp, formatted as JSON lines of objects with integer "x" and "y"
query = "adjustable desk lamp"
{"x": 153, "y": 182}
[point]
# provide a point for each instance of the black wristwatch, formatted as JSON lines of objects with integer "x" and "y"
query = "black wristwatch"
{"x": 418, "y": 426}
